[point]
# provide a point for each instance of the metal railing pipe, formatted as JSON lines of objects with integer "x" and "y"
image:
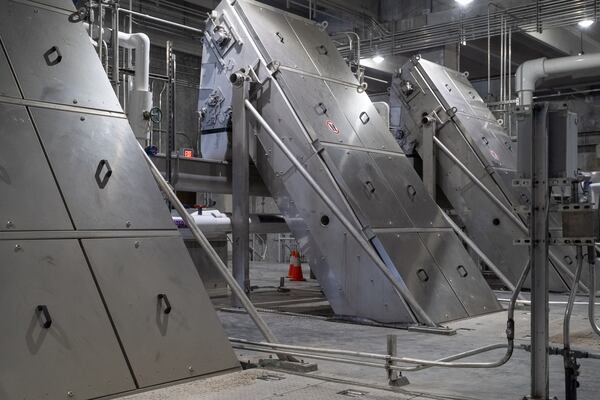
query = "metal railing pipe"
{"x": 592, "y": 294}
{"x": 210, "y": 251}
{"x": 362, "y": 241}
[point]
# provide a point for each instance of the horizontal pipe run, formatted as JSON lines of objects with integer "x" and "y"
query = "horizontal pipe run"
{"x": 163, "y": 21}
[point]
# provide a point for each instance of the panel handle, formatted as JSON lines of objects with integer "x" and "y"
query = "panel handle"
{"x": 52, "y": 61}
{"x": 163, "y": 297}
{"x": 44, "y": 316}
{"x": 370, "y": 186}
{"x": 102, "y": 181}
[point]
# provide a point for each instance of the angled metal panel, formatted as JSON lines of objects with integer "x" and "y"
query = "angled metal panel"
{"x": 97, "y": 163}
{"x": 78, "y": 352}
{"x": 464, "y": 278}
{"x": 420, "y": 207}
{"x": 8, "y": 84}
{"x": 162, "y": 347}
{"x": 30, "y": 199}
{"x": 47, "y": 53}
{"x": 423, "y": 276}
{"x": 367, "y": 189}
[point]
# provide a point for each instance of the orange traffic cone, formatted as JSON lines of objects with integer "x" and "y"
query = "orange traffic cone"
{"x": 293, "y": 258}
{"x": 296, "y": 269}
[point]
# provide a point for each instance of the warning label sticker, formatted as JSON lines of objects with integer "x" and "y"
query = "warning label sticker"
{"x": 332, "y": 127}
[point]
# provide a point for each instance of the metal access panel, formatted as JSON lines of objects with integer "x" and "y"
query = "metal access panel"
{"x": 101, "y": 171}
{"x": 162, "y": 314}
{"x": 47, "y": 53}
{"x": 470, "y": 131}
{"x": 330, "y": 125}
{"x": 26, "y": 183}
{"x": 56, "y": 335}
{"x": 8, "y": 84}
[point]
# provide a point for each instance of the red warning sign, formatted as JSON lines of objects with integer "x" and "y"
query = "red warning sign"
{"x": 332, "y": 127}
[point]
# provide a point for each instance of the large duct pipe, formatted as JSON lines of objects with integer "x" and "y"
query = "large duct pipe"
{"x": 530, "y": 72}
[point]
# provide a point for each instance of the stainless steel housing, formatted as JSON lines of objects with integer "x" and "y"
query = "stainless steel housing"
{"x": 311, "y": 99}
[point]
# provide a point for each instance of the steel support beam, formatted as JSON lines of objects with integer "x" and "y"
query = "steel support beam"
{"x": 240, "y": 189}
{"x": 539, "y": 252}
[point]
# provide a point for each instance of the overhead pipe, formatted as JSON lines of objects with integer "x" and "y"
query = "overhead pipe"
{"x": 531, "y": 72}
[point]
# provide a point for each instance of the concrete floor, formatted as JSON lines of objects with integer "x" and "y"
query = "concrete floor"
{"x": 510, "y": 381}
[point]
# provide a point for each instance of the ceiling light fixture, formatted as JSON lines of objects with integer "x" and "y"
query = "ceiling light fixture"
{"x": 378, "y": 59}
{"x": 586, "y": 23}
{"x": 463, "y": 2}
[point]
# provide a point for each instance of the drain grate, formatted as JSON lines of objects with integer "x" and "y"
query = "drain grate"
{"x": 352, "y": 393}
{"x": 270, "y": 377}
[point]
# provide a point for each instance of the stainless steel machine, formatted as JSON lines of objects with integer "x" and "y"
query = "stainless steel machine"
{"x": 469, "y": 156}
{"x": 100, "y": 295}
{"x": 373, "y": 236}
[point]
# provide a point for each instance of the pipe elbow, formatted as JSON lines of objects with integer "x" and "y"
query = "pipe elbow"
{"x": 529, "y": 73}
{"x": 526, "y": 78}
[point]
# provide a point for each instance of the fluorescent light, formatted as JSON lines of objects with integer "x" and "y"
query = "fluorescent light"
{"x": 586, "y": 23}
{"x": 377, "y": 59}
{"x": 463, "y": 2}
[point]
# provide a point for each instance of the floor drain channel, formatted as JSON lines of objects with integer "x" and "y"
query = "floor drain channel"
{"x": 270, "y": 377}
{"x": 352, "y": 393}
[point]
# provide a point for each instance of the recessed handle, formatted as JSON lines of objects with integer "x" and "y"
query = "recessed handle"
{"x": 163, "y": 297}
{"x": 44, "y": 316}
{"x": 50, "y": 61}
{"x": 370, "y": 186}
{"x": 103, "y": 180}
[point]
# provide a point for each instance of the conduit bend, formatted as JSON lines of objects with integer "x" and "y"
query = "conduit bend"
{"x": 530, "y": 72}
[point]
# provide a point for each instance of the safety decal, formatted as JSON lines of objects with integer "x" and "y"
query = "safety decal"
{"x": 332, "y": 127}
{"x": 493, "y": 153}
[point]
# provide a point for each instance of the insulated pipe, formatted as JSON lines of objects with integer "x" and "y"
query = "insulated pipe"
{"x": 362, "y": 241}
{"x": 210, "y": 251}
{"x": 140, "y": 42}
{"x": 530, "y": 72}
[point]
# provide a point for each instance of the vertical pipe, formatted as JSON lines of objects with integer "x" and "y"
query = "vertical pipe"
{"x": 501, "y": 94}
{"x": 592, "y": 294}
{"x": 115, "y": 48}
{"x": 509, "y": 105}
{"x": 171, "y": 120}
{"x": 489, "y": 55}
{"x": 240, "y": 189}
{"x": 100, "y": 31}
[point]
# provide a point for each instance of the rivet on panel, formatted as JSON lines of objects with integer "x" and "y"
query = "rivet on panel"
{"x": 190, "y": 368}
{"x": 128, "y": 224}
{"x": 10, "y": 225}
{"x": 136, "y": 244}
{"x": 70, "y": 394}
{"x": 74, "y": 101}
{"x": 82, "y": 118}
{"x": 18, "y": 247}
